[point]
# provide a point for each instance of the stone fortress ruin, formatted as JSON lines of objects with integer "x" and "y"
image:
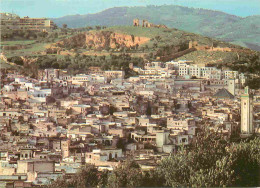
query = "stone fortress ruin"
{"x": 145, "y": 23}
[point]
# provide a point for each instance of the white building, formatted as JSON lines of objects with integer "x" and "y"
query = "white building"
{"x": 103, "y": 155}
{"x": 183, "y": 70}
{"x": 39, "y": 94}
{"x": 80, "y": 79}
{"x": 210, "y": 73}
{"x": 230, "y": 74}
{"x": 195, "y": 71}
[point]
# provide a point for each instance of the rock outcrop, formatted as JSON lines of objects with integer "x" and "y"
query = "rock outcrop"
{"x": 100, "y": 40}
{"x": 113, "y": 40}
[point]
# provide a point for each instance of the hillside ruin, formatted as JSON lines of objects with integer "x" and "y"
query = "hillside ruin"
{"x": 145, "y": 23}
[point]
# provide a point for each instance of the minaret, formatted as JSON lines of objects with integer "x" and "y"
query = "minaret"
{"x": 246, "y": 113}
{"x": 232, "y": 85}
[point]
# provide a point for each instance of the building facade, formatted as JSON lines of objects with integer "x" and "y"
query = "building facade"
{"x": 14, "y": 22}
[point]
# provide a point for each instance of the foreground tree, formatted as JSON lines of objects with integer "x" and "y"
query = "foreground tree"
{"x": 85, "y": 177}
{"x": 128, "y": 174}
{"x": 213, "y": 162}
{"x": 246, "y": 163}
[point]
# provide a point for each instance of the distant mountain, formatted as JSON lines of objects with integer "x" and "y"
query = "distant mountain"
{"x": 226, "y": 27}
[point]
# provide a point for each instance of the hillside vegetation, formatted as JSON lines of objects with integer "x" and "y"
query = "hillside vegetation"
{"x": 238, "y": 30}
{"x": 158, "y": 42}
{"x": 149, "y": 43}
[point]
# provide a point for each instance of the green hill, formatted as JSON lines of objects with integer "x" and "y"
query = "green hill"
{"x": 230, "y": 28}
{"x": 247, "y": 30}
{"x": 163, "y": 43}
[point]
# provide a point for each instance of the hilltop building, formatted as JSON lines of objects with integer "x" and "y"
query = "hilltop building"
{"x": 145, "y": 23}
{"x": 14, "y": 22}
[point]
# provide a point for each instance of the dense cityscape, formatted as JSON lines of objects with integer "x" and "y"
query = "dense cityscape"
{"x": 134, "y": 126}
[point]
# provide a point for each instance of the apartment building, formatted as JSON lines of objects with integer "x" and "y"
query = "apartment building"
{"x": 14, "y": 22}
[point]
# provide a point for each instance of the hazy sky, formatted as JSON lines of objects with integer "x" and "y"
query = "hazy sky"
{"x": 58, "y": 8}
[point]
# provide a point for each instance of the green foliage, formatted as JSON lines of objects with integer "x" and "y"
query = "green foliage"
{"x": 253, "y": 83}
{"x": 60, "y": 182}
{"x": 87, "y": 176}
{"x": 22, "y": 34}
{"x": 247, "y": 64}
{"x": 246, "y": 163}
{"x": 121, "y": 144}
{"x": 17, "y": 60}
{"x": 213, "y": 162}
{"x": 128, "y": 174}
{"x": 98, "y": 27}
{"x": 103, "y": 178}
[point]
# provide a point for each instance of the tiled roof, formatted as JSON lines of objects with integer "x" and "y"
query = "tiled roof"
{"x": 223, "y": 93}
